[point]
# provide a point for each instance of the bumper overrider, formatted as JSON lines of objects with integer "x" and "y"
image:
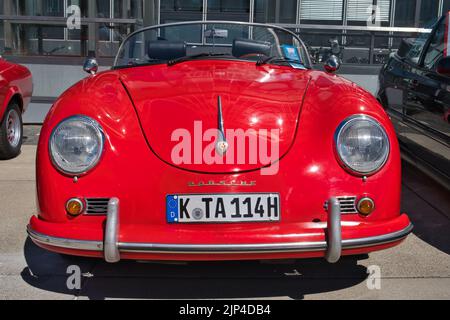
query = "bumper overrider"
{"x": 332, "y": 247}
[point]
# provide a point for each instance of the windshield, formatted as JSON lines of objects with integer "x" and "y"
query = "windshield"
{"x": 179, "y": 42}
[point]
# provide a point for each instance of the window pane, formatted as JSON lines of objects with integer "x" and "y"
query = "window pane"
{"x": 2, "y": 43}
{"x": 321, "y": 11}
{"x": 53, "y": 8}
{"x": 361, "y": 10}
{"x": 429, "y": 12}
{"x": 229, "y": 5}
{"x": 405, "y": 11}
{"x": 178, "y": 10}
{"x": 417, "y": 48}
{"x": 232, "y": 10}
{"x": 182, "y": 5}
{"x": 446, "y": 7}
{"x": 35, "y": 40}
{"x": 436, "y": 48}
{"x": 104, "y": 11}
{"x": 103, "y": 8}
{"x": 128, "y": 9}
{"x": 275, "y": 11}
{"x": 75, "y": 34}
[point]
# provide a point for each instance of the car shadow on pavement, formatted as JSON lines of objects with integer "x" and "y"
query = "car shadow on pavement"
{"x": 196, "y": 280}
{"x": 428, "y": 206}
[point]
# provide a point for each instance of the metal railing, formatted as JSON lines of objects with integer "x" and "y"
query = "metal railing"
{"x": 376, "y": 54}
{"x": 89, "y": 44}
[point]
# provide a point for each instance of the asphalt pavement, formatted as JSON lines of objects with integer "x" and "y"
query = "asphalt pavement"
{"x": 418, "y": 269}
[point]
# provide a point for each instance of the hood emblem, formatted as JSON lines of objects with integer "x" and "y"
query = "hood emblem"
{"x": 222, "y": 145}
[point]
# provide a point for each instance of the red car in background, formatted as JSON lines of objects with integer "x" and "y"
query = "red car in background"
{"x": 16, "y": 88}
{"x": 217, "y": 141}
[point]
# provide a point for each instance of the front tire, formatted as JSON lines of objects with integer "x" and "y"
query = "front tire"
{"x": 11, "y": 132}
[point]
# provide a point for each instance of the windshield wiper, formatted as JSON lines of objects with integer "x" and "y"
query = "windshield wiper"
{"x": 193, "y": 57}
{"x": 278, "y": 60}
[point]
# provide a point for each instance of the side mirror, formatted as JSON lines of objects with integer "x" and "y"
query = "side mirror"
{"x": 332, "y": 65}
{"x": 91, "y": 66}
{"x": 443, "y": 67}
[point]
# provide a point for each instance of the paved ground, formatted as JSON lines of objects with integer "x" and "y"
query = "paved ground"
{"x": 418, "y": 269}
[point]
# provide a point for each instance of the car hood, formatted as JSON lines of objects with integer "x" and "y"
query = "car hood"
{"x": 179, "y": 113}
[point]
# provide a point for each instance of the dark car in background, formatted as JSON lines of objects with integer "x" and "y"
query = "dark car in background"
{"x": 415, "y": 90}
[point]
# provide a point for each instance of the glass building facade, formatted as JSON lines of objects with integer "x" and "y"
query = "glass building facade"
{"x": 38, "y": 28}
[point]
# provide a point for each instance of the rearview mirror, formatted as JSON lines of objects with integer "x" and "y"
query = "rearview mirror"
{"x": 443, "y": 67}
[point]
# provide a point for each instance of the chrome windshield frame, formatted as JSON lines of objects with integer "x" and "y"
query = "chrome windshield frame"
{"x": 307, "y": 63}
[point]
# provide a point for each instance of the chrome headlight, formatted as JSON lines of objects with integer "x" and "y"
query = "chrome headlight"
{"x": 362, "y": 144}
{"x": 76, "y": 145}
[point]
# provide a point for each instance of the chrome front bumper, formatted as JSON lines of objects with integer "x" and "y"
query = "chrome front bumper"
{"x": 111, "y": 247}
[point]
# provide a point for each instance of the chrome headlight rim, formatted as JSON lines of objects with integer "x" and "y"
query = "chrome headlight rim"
{"x": 343, "y": 125}
{"x": 100, "y": 134}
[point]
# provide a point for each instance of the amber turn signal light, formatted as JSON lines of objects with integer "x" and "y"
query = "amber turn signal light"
{"x": 366, "y": 206}
{"x": 74, "y": 207}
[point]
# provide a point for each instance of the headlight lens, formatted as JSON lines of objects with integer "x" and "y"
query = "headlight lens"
{"x": 362, "y": 144}
{"x": 76, "y": 145}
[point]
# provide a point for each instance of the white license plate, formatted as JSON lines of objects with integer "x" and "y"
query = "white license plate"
{"x": 223, "y": 208}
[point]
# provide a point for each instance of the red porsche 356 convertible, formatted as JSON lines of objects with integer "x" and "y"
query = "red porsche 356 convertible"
{"x": 217, "y": 141}
{"x": 16, "y": 88}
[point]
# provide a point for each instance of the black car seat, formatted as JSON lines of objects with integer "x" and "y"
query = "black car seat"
{"x": 166, "y": 50}
{"x": 242, "y": 47}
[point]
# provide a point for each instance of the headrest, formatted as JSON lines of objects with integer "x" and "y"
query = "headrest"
{"x": 166, "y": 50}
{"x": 242, "y": 47}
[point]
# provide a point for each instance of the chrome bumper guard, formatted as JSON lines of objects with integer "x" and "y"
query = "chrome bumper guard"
{"x": 111, "y": 247}
{"x": 334, "y": 232}
{"x": 111, "y": 243}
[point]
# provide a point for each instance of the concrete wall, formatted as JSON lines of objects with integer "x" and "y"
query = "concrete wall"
{"x": 50, "y": 81}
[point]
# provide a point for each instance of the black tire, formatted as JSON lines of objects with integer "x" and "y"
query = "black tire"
{"x": 7, "y": 149}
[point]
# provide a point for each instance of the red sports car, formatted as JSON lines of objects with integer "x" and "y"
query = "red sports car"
{"x": 16, "y": 88}
{"x": 217, "y": 141}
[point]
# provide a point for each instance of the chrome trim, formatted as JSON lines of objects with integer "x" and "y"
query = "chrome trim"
{"x": 338, "y": 133}
{"x": 354, "y": 28}
{"x": 261, "y": 248}
{"x": 111, "y": 249}
{"x": 334, "y": 231}
{"x": 218, "y": 249}
{"x": 222, "y": 145}
{"x": 97, "y": 206}
{"x": 100, "y": 133}
{"x": 91, "y": 66}
{"x": 64, "y": 243}
{"x": 221, "y": 248}
{"x": 13, "y": 128}
{"x": 249, "y": 24}
{"x": 347, "y": 204}
{"x": 377, "y": 240}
